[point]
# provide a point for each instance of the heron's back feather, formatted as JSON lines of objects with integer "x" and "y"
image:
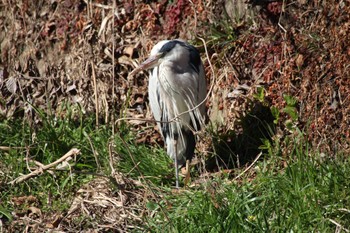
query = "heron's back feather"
{"x": 177, "y": 87}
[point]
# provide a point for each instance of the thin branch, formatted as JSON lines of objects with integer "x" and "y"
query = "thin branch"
{"x": 40, "y": 170}
{"x": 338, "y": 225}
{"x": 8, "y": 148}
{"x": 245, "y": 170}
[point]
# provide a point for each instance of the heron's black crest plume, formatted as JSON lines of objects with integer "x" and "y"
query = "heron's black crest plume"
{"x": 195, "y": 59}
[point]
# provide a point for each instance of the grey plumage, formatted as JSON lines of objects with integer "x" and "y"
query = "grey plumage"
{"x": 177, "y": 84}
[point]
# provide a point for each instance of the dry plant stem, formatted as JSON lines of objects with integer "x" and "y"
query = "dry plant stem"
{"x": 139, "y": 119}
{"x": 8, "y": 148}
{"x": 245, "y": 170}
{"x": 95, "y": 90}
{"x": 113, "y": 70}
{"x": 40, "y": 170}
{"x": 230, "y": 170}
{"x": 28, "y": 159}
{"x": 188, "y": 174}
{"x": 110, "y": 154}
{"x": 340, "y": 227}
{"x": 93, "y": 151}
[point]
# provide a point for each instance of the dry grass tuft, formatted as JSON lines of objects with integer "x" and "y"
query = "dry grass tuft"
{"x": 114, "y": 207}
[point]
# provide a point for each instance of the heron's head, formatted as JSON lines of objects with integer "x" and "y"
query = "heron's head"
{"x": 171, "y": 50}
{"x": 158, "y": 53}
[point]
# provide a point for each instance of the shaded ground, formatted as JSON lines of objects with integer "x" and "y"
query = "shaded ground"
{"x": 80, "y": 53}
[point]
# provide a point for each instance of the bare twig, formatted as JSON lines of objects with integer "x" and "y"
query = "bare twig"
{"x": 339, "y": 227}
{"x": 8, "y": 148}
{"x": 245, "y": 170}
{"x": 40, "y": 170}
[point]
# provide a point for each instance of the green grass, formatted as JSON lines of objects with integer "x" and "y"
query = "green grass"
{"x": 293, "y": 189}
{"x": 51, "y": 140}
{"x": 309, "y": 195}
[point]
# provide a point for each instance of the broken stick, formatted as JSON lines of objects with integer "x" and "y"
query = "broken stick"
{"x": 40, "y": 170}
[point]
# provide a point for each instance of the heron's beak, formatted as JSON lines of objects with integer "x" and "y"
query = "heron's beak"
{"x": 150, "y": 62}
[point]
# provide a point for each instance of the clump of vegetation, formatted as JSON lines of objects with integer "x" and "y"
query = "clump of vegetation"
{"x": 302, "y": 190}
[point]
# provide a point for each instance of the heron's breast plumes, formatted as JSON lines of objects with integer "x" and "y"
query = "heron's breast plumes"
{"x": 177, "y": 89}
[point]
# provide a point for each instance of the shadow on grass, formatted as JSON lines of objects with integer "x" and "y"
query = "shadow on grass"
{"x": 236, "y": 149}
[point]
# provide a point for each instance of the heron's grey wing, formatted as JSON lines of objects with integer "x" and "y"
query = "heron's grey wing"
{"x": 158, "y": 103}
{"x": 199, "y": 80}
{"x": 163, "y": 111}
{"x": 153, "y": 94}
{"x": 186, "y": 90}
{"x": 195, "y": 88}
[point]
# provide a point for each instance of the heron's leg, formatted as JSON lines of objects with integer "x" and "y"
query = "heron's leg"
{"x": 188, "y": 174}
{"x": 176, "y": 166}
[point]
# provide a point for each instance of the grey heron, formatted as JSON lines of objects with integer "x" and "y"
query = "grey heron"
{"x": 177, "y": 89}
